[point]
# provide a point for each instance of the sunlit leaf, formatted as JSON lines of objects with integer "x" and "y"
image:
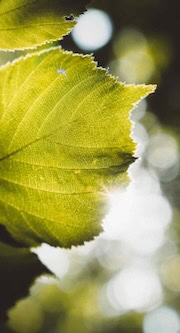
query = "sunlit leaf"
{"x": 28, "y": 23}
{"x": 64, "y": 140}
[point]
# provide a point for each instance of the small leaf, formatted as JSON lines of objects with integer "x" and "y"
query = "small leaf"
{"x": 19, "y": 268}
{"x": 64, "y": 140}
{"x": 29, "y": 23}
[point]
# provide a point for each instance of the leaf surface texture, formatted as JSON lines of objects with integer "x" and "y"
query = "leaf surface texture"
{"x": 64, "y": 141}
{"x": 29, "y": 23}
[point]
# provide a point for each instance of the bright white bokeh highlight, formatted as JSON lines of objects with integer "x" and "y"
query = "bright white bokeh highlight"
{"x": 140, "y": 111}
{"x": 135, "y": 288}
{"x": 93, "y": 30}
{"x": 163, "y": 155}
{"x": 56, "y": 259}
{"x": 140, "y": 135}
{"x": 163, "y": 151}
{"x": 162, "y": 320}
{"x": 139, "y": 216}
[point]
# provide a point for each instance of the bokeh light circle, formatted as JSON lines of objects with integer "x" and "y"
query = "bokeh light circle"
{"x": 93, "y": 30}
{"x": 135, "y": 288}
{"x": 162, "y": 320}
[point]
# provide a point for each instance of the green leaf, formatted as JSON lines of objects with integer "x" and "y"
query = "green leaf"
{"x": 29, "y": 23}
{"x": 64, "y": 140}
{"x": 18, "y": 268}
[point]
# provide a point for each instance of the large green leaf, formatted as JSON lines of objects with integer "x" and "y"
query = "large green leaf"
{"x": 65, "y": 139}
{"x": 28, "y": 23}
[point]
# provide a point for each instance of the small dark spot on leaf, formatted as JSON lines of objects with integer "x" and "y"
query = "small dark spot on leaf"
{"x": 69, "y": 18}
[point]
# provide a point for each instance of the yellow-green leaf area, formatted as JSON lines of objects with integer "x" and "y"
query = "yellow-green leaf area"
{"x": 29, "y": 23}
{"x": 64, "y": 141}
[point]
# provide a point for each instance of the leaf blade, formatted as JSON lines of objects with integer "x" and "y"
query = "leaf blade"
{"x": 65, "y": 138}
{"x": 28, "y": 24}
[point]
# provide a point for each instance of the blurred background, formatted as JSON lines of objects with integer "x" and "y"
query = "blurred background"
{"x": 128, "y": 279}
